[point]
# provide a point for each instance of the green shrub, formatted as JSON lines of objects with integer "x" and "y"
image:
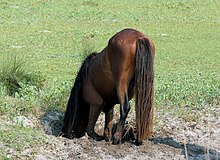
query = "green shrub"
{"x": 14, "y": 74}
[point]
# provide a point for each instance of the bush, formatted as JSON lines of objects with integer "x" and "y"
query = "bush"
{"x": 14, "y": 75}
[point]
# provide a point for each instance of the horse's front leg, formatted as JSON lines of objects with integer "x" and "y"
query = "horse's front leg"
{"x": 108, "y": 123}
{"x": 94, "y": 113}
{"x": 124, "y": 109}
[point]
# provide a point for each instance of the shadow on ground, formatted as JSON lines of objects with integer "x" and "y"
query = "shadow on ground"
{"x": 194, "y": 151}
{"x": 52, "y": 122}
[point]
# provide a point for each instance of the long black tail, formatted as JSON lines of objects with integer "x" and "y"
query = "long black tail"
{"x": 144, "y": 83}
{"x": 77, "y": 110}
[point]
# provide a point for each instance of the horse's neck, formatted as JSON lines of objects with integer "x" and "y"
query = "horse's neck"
{"x": 101, "y": 61}
{"x": 104, "y": 61}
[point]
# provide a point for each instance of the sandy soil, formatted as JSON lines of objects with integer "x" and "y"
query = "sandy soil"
{"x": 174, "y": 138}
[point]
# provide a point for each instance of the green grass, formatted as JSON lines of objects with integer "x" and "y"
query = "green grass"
{"x": 15, "y": 138}
{"x": 53, "y": 37}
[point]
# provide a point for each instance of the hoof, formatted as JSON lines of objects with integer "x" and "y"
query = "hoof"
{"x": 116, "y": 141}
{"x": 107, "y": 138}
{"x": 138, "y": 143}
{"x": 99, "y": 138}
{"x": 95, "y": 136}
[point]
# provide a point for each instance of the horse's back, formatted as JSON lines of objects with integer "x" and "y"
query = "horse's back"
{"x": 121, "y": 53}
{"x": 122, "y": 46}
{"x": 126, "y": 39}
{"x": 123, "y": 40}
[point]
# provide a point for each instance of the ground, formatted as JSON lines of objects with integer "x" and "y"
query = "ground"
{"x": 174, "y": 138}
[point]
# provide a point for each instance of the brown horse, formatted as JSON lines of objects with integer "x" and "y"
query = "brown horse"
{"x": 121, "y": 70}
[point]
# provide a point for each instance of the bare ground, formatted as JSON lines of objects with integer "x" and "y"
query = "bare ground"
{"x": 174, "y": 138}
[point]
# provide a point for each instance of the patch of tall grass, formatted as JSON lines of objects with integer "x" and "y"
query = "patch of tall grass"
{"x": 24, "y": 92}
{"x": 14, "y": 75}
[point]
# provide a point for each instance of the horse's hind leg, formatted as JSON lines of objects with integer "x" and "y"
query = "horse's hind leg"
{"x": 124, "y": 109}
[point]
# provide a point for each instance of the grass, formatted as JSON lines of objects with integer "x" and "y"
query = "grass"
{"x": 14, "y": 75}
{"x": 53, "y": 37}
{"x": 16, "y": 139}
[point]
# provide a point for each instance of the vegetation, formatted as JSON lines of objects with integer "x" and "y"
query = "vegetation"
{"x": 16, "y": 139}
{"x": 43, "y": 43}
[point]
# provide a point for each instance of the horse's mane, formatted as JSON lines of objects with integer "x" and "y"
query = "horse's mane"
{"x": 84, "y": 70}
{"x": 73, "y": 120}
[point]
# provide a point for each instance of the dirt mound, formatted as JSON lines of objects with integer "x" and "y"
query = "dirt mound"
{"x": 174, "y": 138}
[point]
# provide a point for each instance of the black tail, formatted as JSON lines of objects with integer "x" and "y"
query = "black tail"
{"x": 77, "y": 110}
{"x": 144, "y": 83}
